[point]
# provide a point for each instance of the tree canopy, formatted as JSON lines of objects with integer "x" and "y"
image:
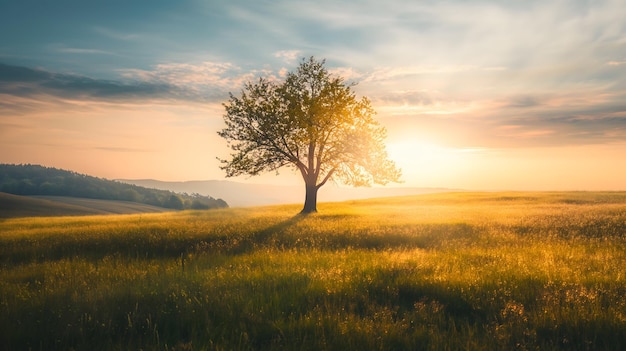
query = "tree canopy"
{"x": 312, "y": 121}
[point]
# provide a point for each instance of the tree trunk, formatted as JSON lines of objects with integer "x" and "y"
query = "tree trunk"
{"x": 310, "y": 201}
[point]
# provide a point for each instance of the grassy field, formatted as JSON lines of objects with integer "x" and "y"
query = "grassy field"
{"x": 461, "y": 271}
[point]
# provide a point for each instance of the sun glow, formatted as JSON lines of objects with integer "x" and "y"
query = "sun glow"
{"x": 426, "y": 164}
{"x": 430, "y": 164}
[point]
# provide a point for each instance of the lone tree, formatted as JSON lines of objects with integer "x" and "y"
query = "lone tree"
{"x": 312, "y": 122}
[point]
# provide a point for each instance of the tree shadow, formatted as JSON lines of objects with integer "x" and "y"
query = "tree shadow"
{"x": 269, "y": 237}
{"x": 263, "y": 236}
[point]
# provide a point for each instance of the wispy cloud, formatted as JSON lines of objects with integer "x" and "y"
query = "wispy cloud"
{"x": 288, "y": 56}
{"x": 83, "y": 51}
{"x": 209, "y": 81}
{"x": 206, "y": 81}
{"x": 118, "y": 35}
{"x": 202, "y": 82}
{"x": 223, "y": 75}
{"x": 524, "y": 101}
{"x": 558, "y": 120}
{"x": 399, "y": 72}
{"x": 407, "y": 97}
{"x": 24, "y": 81}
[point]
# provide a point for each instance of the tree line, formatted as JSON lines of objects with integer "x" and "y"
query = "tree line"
{"x": 27, "y": 179}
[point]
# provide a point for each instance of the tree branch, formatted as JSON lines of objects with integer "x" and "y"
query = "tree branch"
{"x": 330, "y": 174}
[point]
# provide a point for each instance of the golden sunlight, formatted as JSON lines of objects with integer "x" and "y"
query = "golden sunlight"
{"x": 427, "y": 164}
{"x": 431, "y": 164}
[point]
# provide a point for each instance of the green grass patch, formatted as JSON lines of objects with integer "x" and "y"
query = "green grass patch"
{"x": 464, "y": 271}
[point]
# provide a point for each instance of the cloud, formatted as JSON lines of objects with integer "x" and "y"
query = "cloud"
{"x": 566, "y": 132}
{"x": 349, "y": 74}
{"x": 83, "y": 51}
{"x": 220, "y": 75}
{"x": 409, "y": 72}
{"x": 553, "y": 119}
{"x": 533, "y": 120}
{"x": 524, "y": 101}
{"x": 9, "y": 74}
{"x": 204, "y": 82}
{"x": 406, "y": 97}
{"x": 460, "y": 34}
{"x": 23, "y": 81}
{"x": 288, "y": 56}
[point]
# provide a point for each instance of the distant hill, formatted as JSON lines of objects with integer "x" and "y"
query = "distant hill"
{"x": 12, "y": 206}
{"x": 29, "y": 180}
{"x": 243, "y": 194}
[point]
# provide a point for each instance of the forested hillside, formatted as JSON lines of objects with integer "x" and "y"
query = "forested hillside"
{"x": 38, "y": 180}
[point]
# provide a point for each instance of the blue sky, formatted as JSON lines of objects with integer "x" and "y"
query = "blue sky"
{"x": 474, "y": 94}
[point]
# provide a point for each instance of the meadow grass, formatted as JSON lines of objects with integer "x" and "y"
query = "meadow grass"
{"x": 458, "y": 271}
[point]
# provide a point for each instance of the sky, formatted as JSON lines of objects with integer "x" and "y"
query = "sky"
{"x": 478, "y": 95}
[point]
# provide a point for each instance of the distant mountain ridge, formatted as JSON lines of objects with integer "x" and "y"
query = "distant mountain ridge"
{"x": 32, "y": 180}
{"x": 245, "y": 194}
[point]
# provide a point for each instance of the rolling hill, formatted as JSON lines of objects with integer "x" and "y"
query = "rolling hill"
{"x": 36, "y": 180}
{"x": 12, "y": 206}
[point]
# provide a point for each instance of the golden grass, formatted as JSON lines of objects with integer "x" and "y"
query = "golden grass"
{"x": 434, "y": 272}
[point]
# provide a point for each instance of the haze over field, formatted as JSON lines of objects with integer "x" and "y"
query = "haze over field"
{"x": 485, "y": 95}
{"x": 243, "y": 194}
